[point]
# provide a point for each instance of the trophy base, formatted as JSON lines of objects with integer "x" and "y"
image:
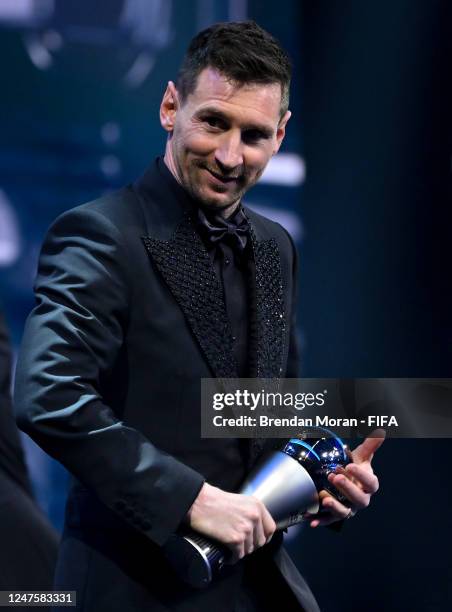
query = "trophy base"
{"x": 196, "y": 560}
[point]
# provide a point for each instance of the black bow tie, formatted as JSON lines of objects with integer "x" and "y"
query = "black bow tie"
{"x": 232, "y": 231}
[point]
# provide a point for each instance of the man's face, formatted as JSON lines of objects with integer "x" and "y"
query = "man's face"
{"x": 222, "y": 136}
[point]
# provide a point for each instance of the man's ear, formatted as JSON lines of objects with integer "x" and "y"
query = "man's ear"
{"x": 281, "y": 130}
{"x": 169, "y": 107}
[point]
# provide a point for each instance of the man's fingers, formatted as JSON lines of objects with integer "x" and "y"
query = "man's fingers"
{"x": 337, "y": 510}
{"x": 366, "y": 450}
{"x": 334, "y": 511}
{"x": 268, "y": 524}
{"x": 331, "y": 511}
{"x": 368, "y": 481}
{"x": 323, "y": 521}
{"x": 259, "y": 536}
{"x": 352, "y": 492}
{"x": 249, "y": 545}
{"x": 253, "y": 533}
{"x": 360, "y": 475}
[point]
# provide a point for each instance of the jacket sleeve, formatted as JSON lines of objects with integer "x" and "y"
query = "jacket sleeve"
{"x": 71, "y": 341}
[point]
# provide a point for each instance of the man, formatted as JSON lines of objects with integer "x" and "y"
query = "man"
{"x": 142, "y": 293}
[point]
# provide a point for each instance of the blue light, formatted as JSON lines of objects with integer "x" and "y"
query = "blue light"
{"x": 301, "y": 443}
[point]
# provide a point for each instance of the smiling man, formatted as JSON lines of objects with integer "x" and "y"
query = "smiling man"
{"x": 142, "y": 293}
{"x": 222, "y": 136}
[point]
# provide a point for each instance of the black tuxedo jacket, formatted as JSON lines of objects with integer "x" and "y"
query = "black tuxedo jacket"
{"x": 129, "y": 317}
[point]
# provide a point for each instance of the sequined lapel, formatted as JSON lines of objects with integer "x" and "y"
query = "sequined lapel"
{"x": 267, "y": 312}
{"x": 186, "y": 267}
{"x": 267, "y": 322}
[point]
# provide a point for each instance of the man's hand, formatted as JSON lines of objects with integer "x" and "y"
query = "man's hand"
{"x": 241, "y": 522}
{"x": 357, "y": 482}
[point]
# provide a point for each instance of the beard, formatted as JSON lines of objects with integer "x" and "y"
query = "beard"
{"x": 215, "y": 195}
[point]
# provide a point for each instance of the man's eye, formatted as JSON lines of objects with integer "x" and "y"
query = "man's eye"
{"x": 252, "y": 136}
{"x": 214, "y": 122}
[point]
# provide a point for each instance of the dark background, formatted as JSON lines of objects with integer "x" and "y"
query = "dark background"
{"x": 372, "y": 108}
{"x": 376, "y": 292}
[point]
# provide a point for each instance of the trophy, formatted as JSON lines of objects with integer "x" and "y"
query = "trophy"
{"x": 287, "y": 481}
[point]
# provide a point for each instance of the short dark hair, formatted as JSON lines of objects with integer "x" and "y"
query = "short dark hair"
{"x": 243, "y": 52}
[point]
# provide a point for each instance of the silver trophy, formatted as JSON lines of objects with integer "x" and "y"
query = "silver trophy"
{"x": 287, "y": 481}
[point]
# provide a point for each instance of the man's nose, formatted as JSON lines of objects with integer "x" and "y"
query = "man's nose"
{"x": 229, "y": 154}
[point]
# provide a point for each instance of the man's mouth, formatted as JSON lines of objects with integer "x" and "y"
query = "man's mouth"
{"x": 222, "y": 177}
